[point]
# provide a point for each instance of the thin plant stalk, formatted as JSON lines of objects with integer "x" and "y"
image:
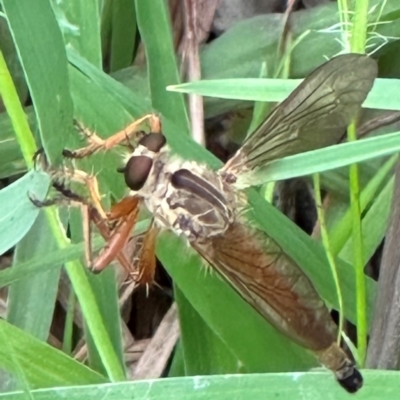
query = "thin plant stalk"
{"x": 328, "y": 250}
{"x": 356, "y": 35}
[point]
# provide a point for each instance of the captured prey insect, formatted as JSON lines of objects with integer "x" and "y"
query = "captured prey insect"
{"x": 207, "y": 208}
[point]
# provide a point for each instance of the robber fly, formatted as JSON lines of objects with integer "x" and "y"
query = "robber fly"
{"x": 207, "y": 208}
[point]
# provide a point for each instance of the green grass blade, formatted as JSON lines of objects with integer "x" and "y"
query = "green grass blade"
{"x": 304, "y": 386}
{"x": 382, "y": 96}
{"x": 374, "y": 224}
{"x": 32, "y": 300}
{"x": 80, "y": 24}
{"x": 204, "y": 352}
{"x": 19, "y": 213}
{"x": 156, "y": 33}
{"x": 123, "y": 34}
{"x": 51, "y": 97}
{"x": 17, "y": 116}
{"x": 324, "y": 159}
{"x": 42, "y": 365}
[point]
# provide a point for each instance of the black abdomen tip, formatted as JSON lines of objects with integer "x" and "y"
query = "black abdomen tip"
{"x": 353, "y": 382}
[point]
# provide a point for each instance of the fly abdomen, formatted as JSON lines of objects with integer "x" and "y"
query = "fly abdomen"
{"x": 348, "y": 376}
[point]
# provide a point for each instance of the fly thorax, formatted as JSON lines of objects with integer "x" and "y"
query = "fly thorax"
{"x": 196, "y": 205}
{"x": 183, "y": 196}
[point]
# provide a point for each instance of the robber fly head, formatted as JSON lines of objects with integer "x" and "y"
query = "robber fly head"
{"x": 140, "y": 162}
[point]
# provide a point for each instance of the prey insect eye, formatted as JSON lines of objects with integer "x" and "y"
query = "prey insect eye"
{"x": 153, "y": 141}
{"x": 136, "y": 171}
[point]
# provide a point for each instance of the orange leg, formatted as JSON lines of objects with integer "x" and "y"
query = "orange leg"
{"x": 97, "y": 144}
{"x": 146, "y": 258}
{"x": 123, "y": 215}
{"x": 107, "y": 234}
{"x": 90, "y": 182}
{"x": 118, "y": 237}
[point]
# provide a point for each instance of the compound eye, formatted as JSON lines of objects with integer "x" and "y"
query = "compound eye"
{"x": 153, "y": 141}
{"x": 137, "y": 171}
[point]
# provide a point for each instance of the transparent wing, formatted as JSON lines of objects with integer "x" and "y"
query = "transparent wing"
{"x": 272, "y": 283}
{"x": 315, "y": 114}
